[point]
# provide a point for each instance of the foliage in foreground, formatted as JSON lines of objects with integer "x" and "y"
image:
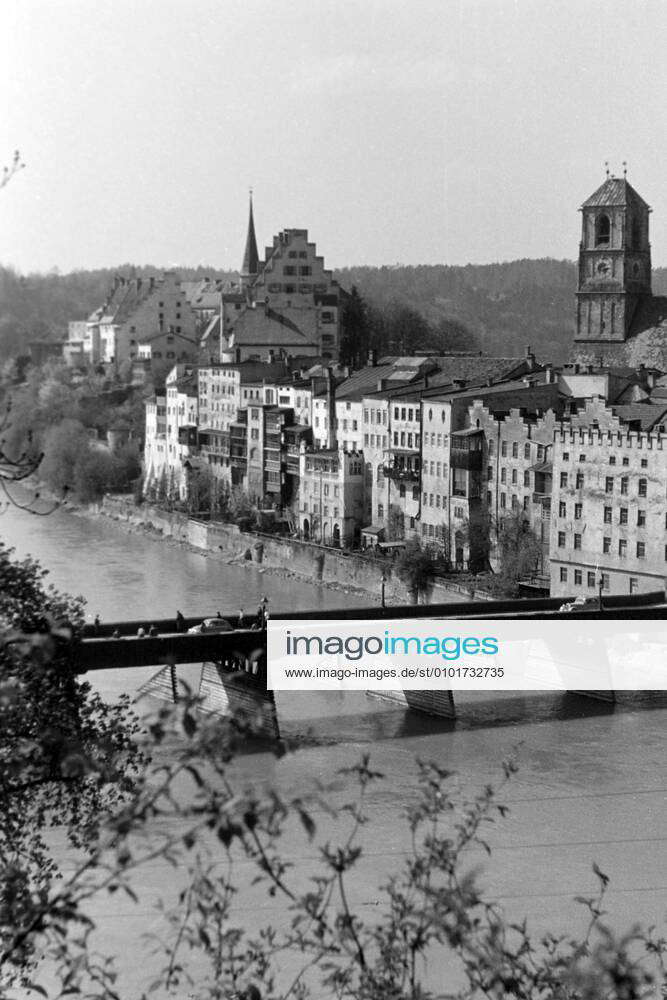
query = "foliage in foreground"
{"x": 66, "y": 758}
{"x": 190, "y": 813}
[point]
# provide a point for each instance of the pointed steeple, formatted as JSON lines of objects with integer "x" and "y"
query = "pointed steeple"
{"x": 250, "y": 257}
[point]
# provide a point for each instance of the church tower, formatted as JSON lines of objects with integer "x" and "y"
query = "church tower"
{"x": 614, "y": 263}
{"x": 250, "y": 267}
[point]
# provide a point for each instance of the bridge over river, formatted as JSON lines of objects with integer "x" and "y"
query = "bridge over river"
{"x": 234, "y": 672}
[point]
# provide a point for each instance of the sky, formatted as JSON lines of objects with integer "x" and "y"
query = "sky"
{"x": 395, "y": 131}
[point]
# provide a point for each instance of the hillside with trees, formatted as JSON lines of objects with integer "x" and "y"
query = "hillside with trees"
{"x": 498, "y": 308}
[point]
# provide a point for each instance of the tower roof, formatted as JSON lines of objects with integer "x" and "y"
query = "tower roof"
{"x": 250, "y": 257}
{"x": 614, "y": 191}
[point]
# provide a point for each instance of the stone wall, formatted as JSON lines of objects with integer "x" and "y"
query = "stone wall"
{"x": 312, "y": 562}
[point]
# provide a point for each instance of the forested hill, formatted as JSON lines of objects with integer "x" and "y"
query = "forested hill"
{"x": 503, "y": 306}
{"x": 496, "y": 307}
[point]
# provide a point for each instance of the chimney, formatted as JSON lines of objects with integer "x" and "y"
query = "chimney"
{"x": 381, "y": 384}
{"x": 331, "y": 409}
{"x": 548, "y": 374}
{"x": 372, "y": 357}
{"x": 650, "y": 380}
{"x": 530, "y": 357}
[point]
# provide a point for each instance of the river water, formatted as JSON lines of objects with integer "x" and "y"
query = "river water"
{"x": 592, "y": 785}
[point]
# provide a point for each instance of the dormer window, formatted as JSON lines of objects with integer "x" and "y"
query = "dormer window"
{"x": 602, "y": 231}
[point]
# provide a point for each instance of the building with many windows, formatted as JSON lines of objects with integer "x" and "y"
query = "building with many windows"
{"x": 609, "y": 520}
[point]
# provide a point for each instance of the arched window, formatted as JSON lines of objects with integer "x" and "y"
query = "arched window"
{"x": 602, "y": 231}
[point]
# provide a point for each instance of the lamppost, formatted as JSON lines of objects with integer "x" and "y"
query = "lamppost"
{"x": 600, "y": 589}
{"x": 382, "y": 596}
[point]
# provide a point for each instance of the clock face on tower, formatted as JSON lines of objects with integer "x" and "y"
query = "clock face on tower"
{"x": 603, "y": 268}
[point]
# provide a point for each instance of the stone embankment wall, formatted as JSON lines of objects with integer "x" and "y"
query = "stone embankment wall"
{"x": 312, "y": 562}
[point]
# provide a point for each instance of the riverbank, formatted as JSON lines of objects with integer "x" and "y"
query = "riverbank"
{"x": 334, "y": 569}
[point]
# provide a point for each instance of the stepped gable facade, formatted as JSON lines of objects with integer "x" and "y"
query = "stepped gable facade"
{"x": 286, "y": 304}
{"x": 618, "y": 319}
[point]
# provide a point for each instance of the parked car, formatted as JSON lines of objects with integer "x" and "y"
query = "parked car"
{"x": 211, "y": 625}
{"x": 580, "y": 604}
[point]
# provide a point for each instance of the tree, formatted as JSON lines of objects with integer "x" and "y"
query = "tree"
{"x": 355, "y": 332}
{"x": 66, "y": 758}
{"x": 8, "y": 172}
{"x": 415, "y": 566}
{"x": 395, "y": 524}
{"x": 225, "y": 841}
{"x": 519, "y": 550}
{"x": 66, "y": 446}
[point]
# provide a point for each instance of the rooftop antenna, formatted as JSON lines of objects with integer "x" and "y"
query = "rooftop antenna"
{"x": 606, "y": 167}
{"x": 625, "y": 168}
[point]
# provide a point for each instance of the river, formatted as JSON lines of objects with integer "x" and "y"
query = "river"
{"x": 592, "y": 784}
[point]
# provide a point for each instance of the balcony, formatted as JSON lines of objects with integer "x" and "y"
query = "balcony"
{"x": 467, "y": 450}
{"x": 544, "y": 500}
{"x": 401, "y": 474}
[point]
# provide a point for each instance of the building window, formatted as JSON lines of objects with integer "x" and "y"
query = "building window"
{"x": 605, "y": 581}
{"x": 644, "y": 463}
{"x": 526, "y": 478}
{"x": 515, "y": 449}
{"x": 602, "y": 230}
{"x": 577, "y": 541}
{"x": 642, "y": 487}
{"x": 609, "y": 484}
{"x": 634, "y": 584}
{"x": 562, "y": 509}
{"x": 626, "y": 460}
{"x": 580, "y": 481}
{"x": 526, "y": 450}
{"x": 607, "y": 515}
{"x": 503, "y": 449}
{"x": 503, "y": 501}
{"x": 514, "y": 477}
{"x": 578, "y": 577}
{"x": 606, "y": 544}
{"x": 590, "y": 579}
{"x": 641, "y": 518}
{"x": 622, "y": 548}
{"x": 641, "y": 550}
{"x": 563, "y": 480}
{"x": 492, "y": 448}
{"x": 561, "y": 539}
{"x": 612, "y": 459}
{"x": 623, "y": 515}
{"x": 624, "y": 486}
{"x": 563, "y": 574}
{"x": 578, "y": 509}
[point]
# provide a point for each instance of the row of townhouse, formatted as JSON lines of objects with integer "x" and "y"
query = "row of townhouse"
{"x": 406, "y": 448}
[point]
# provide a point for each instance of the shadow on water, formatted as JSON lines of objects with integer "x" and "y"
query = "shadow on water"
{"x": 366, "y": 718}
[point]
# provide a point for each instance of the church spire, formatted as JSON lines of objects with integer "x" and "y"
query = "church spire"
{"x": 251, "y": 257}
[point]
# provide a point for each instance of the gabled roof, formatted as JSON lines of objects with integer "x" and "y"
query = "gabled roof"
{"x": 614, "y": 191}
{"x": 645, "y": 415}
{"x": 267, "y": 327}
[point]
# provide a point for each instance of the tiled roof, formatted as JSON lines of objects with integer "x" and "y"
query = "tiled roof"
{"x": 647, "y": 415}
{"x": 266, "y": 327}
{"x": 614, "y": 191}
